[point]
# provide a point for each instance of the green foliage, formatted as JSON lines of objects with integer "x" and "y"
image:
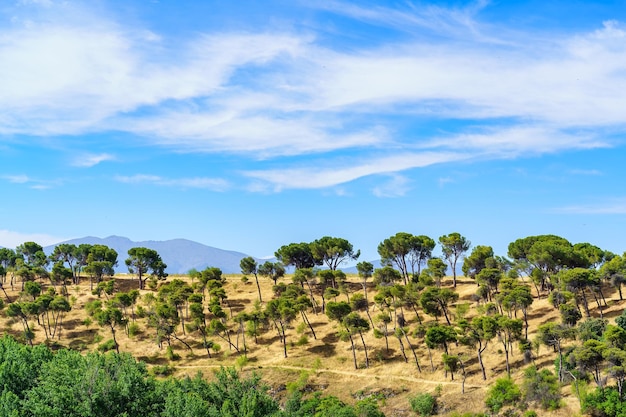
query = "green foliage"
{"x": 605, "y": 402}
{"x": 133, "y": 329}
{"x": 162, "y": 370}
{"x": 621, "y": 320}
{"x": 503, "y": 392}
{"x": 319, "y": 406}
{"x": 592, "y": 328}
{"x": 107, "y": 346}
{"x": 171, "y": 355}
{"x": 424, "y": 404}
{"x": 541, "y": 388}
{"x": 302, "y": 340}
{"x": 241, "y": 361}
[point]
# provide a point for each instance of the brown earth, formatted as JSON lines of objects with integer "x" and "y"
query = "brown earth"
{"x": 324, "y": 364}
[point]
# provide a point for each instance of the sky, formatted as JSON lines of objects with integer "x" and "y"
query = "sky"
{"x": 247, "y": 125}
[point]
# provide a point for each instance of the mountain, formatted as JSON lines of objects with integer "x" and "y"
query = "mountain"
{"x": 180, "y": 255}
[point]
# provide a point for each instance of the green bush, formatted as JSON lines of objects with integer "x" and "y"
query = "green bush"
{"x": 542, "y": 388}
{"x": 162, "y": 370}
{"x": 503, "y": 392}
{"x": 133, "y": 329}
{"x": 107, "y": 346}
{"x": 171, "y": 355}
{"x": 604, "y": 402}
{"x": 302, "y": 340}
{"x": 423, "y": 404}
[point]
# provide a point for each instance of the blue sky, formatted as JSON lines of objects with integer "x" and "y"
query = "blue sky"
{"x": 248, "y": 125}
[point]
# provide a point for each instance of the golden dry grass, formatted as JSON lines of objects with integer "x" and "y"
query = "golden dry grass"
{"x": 324, "y": 364}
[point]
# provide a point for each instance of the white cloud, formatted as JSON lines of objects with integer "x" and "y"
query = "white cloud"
{"x": 277, "y": 94}
{"x": 321, "y": 177}
{"x": 213, "y": 184}
{"x": 33, "y": 183}
{"x": 591, "y": 172}
{"x": 12, "y": 239}
{"x": 614, "y": 206}
{"x": 17, "y": 179}
{"x": 90, "y": 160}
{"x": 397, "y": 186}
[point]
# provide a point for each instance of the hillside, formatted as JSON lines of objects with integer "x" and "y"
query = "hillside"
{"x": 319, "y": 364}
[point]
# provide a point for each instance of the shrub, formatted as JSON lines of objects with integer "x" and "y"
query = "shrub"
{"x": 171, "y": 355}
{"x": 107, "y": 346}
{"x": 604, "y": 402}
{"x": 162, "y": 370}
{"x": 133, "y": 329}
{"x": 503, "y": 392}
{"x": 423, "y": 404}
{"x": 241, "y": 361}
{"x": 541, "y": 387}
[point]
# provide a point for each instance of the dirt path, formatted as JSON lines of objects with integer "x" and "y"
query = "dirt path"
{"x": 347, "y": 373}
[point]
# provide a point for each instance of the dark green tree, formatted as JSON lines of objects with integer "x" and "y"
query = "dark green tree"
{"x": 454, "y": 247}
{"x": 145, "y": 263}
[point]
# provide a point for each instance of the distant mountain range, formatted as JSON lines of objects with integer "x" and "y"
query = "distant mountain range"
{"x": 180, "y": 255}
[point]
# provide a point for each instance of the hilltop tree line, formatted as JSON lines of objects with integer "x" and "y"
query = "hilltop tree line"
{"x": 406, "y": 302}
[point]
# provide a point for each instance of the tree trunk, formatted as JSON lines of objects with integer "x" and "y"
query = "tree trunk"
{"x": 306, "y": 320}
{"x": 419, "y": 368}
{"x": 367, "y": 359}
{"x": 256, "y": 278}
{"x": 353, "y": 350}
{"x": 480, "y": 361}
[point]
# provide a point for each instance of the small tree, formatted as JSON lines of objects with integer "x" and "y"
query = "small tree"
{"x": 542, "y": 388}
{"x": 423, "y": 404}
{"x": 144, "y": 261}
{"x": 454, "y": 246}
{"x": 111, "y": 317}
{"x": 503, "y": 392}
{"x": 249, "y": 266}
{"x": 272, "y": 270}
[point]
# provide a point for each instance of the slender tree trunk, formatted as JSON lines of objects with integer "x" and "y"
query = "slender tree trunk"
{"x": 353, "y": 350}
{"x": 430, "y": 357}
{"x": 506, "y": 355}
{"x": 284, "y": 339}
{"x": 258, "y": 287}
{"x": 419, "y": 368}
{"x": 117, "y": 348}
{"x": 367, "y": 359}
{"x": 402, "y": 349}
{"x": 585, "y": 304}
{"x": 306, "y": 320}
{"x": 480, "y": 360}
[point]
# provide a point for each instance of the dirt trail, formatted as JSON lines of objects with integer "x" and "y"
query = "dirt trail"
{"x": 347, "y": 373}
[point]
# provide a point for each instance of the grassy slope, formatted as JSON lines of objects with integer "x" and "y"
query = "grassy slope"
{"x": 327, "y": 360}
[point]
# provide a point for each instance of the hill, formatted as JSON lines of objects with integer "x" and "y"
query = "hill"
{"x": 180, "y": 255}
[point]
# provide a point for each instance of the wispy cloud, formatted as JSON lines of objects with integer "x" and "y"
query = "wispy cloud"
{"x": 33, "y": 183}
{"x": 613, "y": 206}
{"x": 591, "y": 172}
{"x": 90, "y": 160}
{"x": 396, "y": 186}
{"x": 277, "y": 94}
{"x": 213, "y": 184}
{"x": 17, "y": 179}
{"x": 322, "y": 177}
{"x": 12, "y": 239}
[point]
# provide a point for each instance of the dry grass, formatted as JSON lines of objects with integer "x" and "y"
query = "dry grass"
{"x": 326, "y": 363}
